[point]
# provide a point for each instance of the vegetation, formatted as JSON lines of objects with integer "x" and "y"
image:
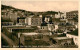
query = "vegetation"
{"x": 3, "y": 43}
{"x": 62, "y": 35}
{"x": 50, "y": 12}
{"x": 75, "y": 32}
{"x": 6, "y": 7}
{"x": 6, "y": 32}
{"x": 9, "y": 34}
{"x": 5, "y": 20}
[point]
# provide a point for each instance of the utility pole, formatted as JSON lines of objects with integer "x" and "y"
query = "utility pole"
{"x": 19, "y": 39}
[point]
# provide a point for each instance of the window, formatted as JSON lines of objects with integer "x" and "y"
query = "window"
{"x": 43, "y": 27}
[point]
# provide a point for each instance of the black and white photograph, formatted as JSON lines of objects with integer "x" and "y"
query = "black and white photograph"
{"x": 39, "y": 24}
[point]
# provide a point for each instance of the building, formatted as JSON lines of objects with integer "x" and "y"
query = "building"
{"x": 63, "y": 15}
{"x": 61, "y": 28}
{"x": 34, "y": 20}
{"x": 72, "y": 22}
{"x": 51, "y": 27}
{"x": 62, "y": 41}
{"x": 70, "y": 27}
{"x": 47, "y": 19}
{"x": 71, "y": 14}
{"x": 56, "y": 27}
{"x": 45, "y": 32}
{"x": 58, "y": 15}
{"x": 19, "y": 28}
{"x": 21, "y": 20}
{"x": 44, "y": 26}
{"x": 6, "y": 23}
{"x": 74, "y": 36}
{"x": 30, "y": 36}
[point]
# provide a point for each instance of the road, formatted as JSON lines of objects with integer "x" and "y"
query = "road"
{"x": 9, "y": 41}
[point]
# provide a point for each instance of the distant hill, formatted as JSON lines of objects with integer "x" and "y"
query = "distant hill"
{"x": 51, "y": 12}
{"x": 10, "y": 7}
{"x": 4, "y": 7}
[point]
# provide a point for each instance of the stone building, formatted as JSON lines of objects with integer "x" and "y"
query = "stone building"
{"x": 71, "y": 14}
{"x": 34, "y": 21}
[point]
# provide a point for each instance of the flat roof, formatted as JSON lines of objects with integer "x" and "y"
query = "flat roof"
{"x": 31, "y": 33}
{"x": 61, "y": 38}
{"x": 18, "y": 27}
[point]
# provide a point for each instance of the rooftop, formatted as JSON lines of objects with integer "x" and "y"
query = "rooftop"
{"x": 31, "y": 33}
{"x": 74, "y": 11}
{"x": 21, "y": 17}
{"x": 44, "y": 24}
{"x": 35, "y": 16}
{"x": 61, "y": 38}
{"x": 18, "y": 27}
{"x": 5, "y": 20}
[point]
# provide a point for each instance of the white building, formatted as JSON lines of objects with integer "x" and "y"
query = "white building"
{"x": 63, "y": 15}
{"x": 58, "y": 15}
{"x": 50, "y": 27}
{"x": 56, "y": 27}
{"x": 46, "y": 19}
{"x": 29, "y": 20}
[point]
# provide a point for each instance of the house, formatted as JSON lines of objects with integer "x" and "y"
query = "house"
{"x": 6, "y": 23}
{"x": 45, "y": 32}
{"x": 61, "y": 28}
{"x": 30, "y": 37}
{"x": 63, "y": 41}
{"x": 44, "y": 26}
{"x": 50, "y": 26}
{"x": 55, "y": 27}
{"x": 62, "y": 22}
{"x": 71, "y": 21}
{"x": 71, "y": 14}
{"x": 34, "y": 20}
{"x": 74, "y": 36}
{"x": 21, "y": 20}
{"x": 58, "y": 15}
{"x": 47, "y": 19}
{"x": 19, "y": 28}
{"x": 63, "y": 17}
{"x": 70, "y": 27}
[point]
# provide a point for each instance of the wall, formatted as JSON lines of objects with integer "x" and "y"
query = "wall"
{"x": 29, "y": 21}
{"x": 75, "y": 38}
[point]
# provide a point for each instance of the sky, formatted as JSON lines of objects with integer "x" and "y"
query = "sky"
{"x": 39, "y": 6}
